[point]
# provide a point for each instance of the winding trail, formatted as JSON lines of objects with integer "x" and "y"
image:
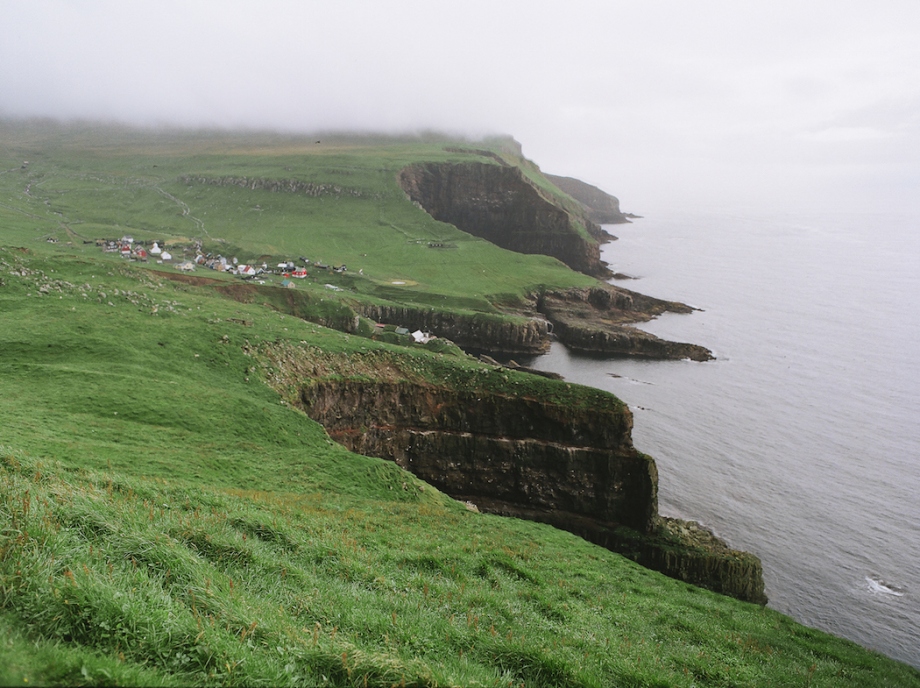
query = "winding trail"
{"x": 186, "y": 211}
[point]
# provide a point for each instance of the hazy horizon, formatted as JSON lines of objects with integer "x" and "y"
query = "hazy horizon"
{"x": 664, "y": 104}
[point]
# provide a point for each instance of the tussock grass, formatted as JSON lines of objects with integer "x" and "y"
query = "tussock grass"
{"x": 126, "y": 580}
{"x": 168, "y": 518}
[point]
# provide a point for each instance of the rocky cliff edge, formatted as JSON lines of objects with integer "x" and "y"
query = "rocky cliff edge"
{"x": 509, "y": 443}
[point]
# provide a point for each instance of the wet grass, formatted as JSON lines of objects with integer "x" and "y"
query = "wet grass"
{"x": 89, "y": 184}
{"x": 166, "y": 518}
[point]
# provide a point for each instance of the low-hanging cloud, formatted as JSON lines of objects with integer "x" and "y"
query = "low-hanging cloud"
{"x": 662, "y": 102}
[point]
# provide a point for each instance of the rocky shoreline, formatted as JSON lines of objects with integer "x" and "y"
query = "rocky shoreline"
{"x": 545, "y": 451}
{"x": 481, "y": 440}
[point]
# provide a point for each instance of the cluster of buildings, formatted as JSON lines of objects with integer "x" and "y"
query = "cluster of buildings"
{"x": 135, "y": 250}
{"x": 139, "y": 250}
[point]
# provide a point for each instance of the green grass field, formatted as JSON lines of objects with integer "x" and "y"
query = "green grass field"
{"x": 167, "y": 519}
{"x": 94, "y": 187}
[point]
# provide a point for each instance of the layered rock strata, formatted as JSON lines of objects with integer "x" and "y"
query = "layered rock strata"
{"x": 521, "y": 456}
{"x": 593, "y": 321}
{"x": 498, "y": 203}
{"x": 602, "y": 208}
{"x": 574, "y": 469}
{"x": 501, "y": 336}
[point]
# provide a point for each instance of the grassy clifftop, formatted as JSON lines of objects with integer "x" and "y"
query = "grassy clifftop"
{"x": 166, "y": 519}
{"x": 232, "y": 192}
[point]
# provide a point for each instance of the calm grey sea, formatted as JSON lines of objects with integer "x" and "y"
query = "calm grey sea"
{"x": 801, "y": 442}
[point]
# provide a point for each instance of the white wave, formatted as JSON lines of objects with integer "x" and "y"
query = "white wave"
{"x": 879, "y": 586}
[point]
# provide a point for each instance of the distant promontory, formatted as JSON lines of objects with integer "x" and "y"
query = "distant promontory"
{"x": 602, "y": 208}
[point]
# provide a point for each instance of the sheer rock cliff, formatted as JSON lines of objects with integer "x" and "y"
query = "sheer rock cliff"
{"x": 497, "y": 202}
{"x": 602, "y": 208}
{"x": 514, "y": 445}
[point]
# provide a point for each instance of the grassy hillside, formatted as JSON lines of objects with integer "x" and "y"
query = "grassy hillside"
{"x": 90, "y": 184}
{"x": 166, "y": 519}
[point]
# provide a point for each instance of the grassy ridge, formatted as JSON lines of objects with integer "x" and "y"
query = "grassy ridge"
{"x": 166, "y": 519}
{"x": 93, "y": 187}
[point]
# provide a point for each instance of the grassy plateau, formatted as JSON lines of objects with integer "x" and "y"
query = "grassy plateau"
{"x": 166, "y": 518}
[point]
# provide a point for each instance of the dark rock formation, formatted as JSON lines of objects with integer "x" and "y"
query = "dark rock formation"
{"x": 523, "y": 456}
{"x": 593, "y": 321}
{"x": 496, "y": 334}
{"x": 498, "y": 203}
{"x": 601, "y": 207}
{"x": 686, "y": 551}
{"x": 575, "y": 469}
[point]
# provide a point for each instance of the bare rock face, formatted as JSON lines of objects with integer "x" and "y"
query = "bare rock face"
{"x": 498, "y": 203}
{"x": 575, "y": 469}
{"x": 478, "y": 332}
{"x": 517, "y": 456}
{"x": 594, "y": 321}
{"x": 602, "y": 208}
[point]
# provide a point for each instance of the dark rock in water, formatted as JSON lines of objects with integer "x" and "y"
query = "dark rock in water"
{"x": 595, "y": 321}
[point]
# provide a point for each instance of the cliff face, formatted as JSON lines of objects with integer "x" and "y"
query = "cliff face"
{"x": 593, "y": 321}
{"x": 499, "y": 336}
{"x": 499, "y": 204}
{"x": 602, "y": 208}
{"x": 573, "y": 469}
{"x": 512, "y": 444}
{"x": 516, "y": 456}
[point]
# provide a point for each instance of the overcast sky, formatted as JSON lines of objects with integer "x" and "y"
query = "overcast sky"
{"x": 791, "y": 104}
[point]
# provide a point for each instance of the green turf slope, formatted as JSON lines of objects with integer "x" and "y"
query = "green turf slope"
{"x": 166, "y": 519}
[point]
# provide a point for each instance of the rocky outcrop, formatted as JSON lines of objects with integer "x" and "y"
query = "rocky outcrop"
{"x": 518, "y": 456}
{"x": 498, "y": 203}
{"x": 501, "y": 336}
{"x": 295, "y": 186}
{"x": 571, "y": 466}
{"x": 602, "y": 208}
{"x": 593, "y": 321}
{"x": 623, "y": 340}
{"x": 686, "y": 551}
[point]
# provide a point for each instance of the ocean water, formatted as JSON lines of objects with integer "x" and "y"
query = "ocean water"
{"x": 801, "y": 442}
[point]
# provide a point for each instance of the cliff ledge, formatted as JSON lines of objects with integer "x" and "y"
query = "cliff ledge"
{"x": 512, "y": 444}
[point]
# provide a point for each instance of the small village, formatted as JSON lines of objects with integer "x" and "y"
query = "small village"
{"x": 194, "y": 256}
{"x": 146, "y": 251}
